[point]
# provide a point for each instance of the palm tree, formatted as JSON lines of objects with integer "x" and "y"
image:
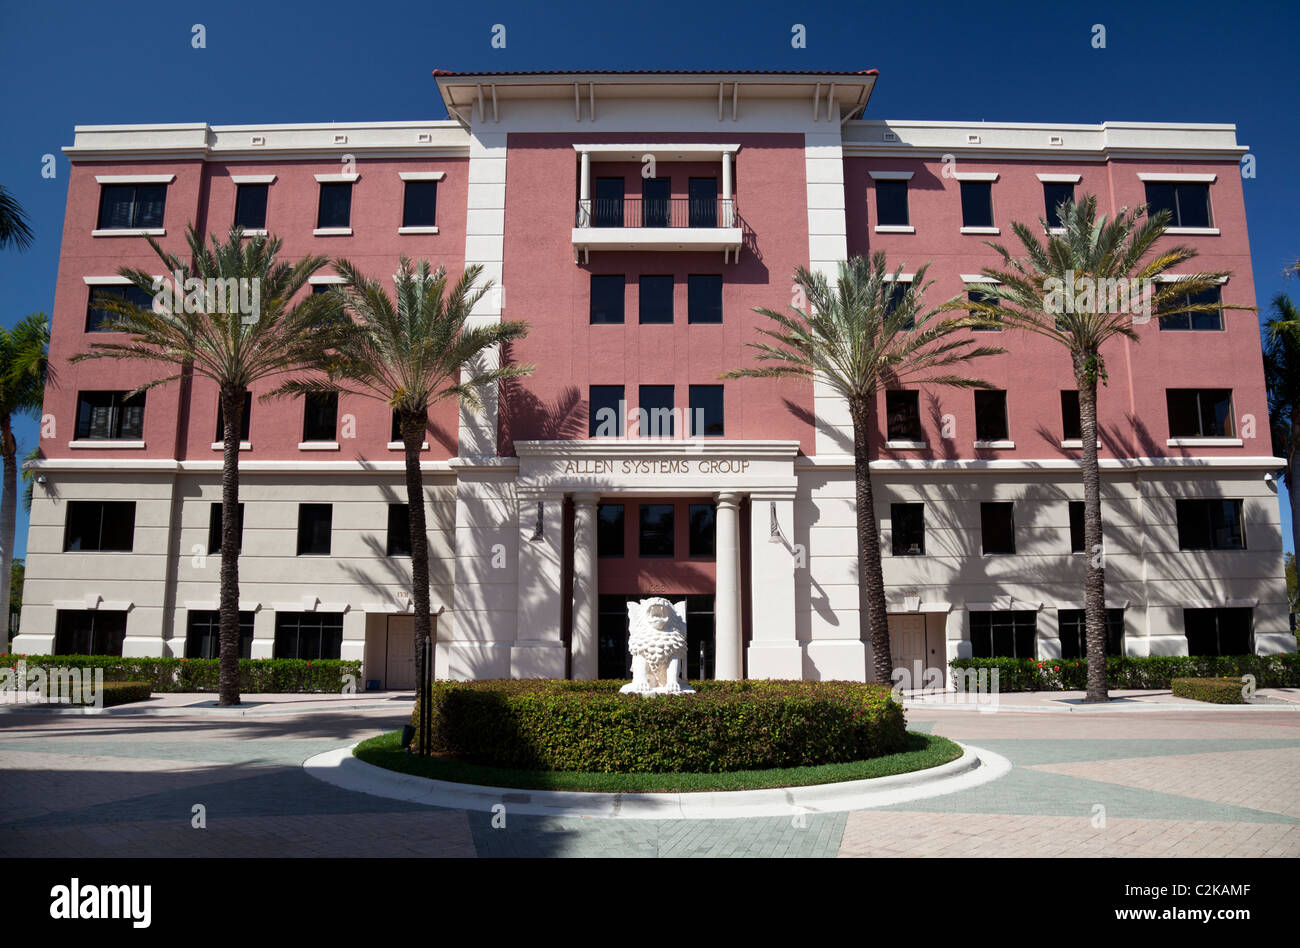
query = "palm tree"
{"x": 24, "y": 356}
{"x": 15, "y": 230}
{"x": 1037, "y": 294}
{"x": 1282, "y": 378}
{"x": 412, "y": 354}
{"x": 196, "y": 331}
{"x": 867, "y": 333}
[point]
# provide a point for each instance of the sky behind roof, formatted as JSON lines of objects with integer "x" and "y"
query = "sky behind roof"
{"x": 97, "y": 63}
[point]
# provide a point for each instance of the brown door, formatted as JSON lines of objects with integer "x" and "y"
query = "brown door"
{"x": 400, "y": 664}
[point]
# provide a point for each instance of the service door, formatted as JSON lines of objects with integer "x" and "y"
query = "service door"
{"x": 907, "y": 648}
{"x": 400, "y": 667}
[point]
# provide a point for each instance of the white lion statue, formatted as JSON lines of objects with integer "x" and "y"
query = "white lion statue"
{"x": 657, "y": 640}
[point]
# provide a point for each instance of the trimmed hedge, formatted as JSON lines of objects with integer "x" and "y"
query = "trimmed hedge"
{"x": 1154, "y": 672}
{"x": 1215, "y": 690}
{"x": 256, "y": 675}
{"x": 588, "y": 726}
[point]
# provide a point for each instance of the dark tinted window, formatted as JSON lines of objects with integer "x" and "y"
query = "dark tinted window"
{"x": 903, "y": 416}
{"x": 656, "y": 201}
{"x": 976, "y": 204}
{"x": 245, "y": 418}
{"x": 656, "y": 304}
{"x": 657, "y": 418}
{"x": 703, "y": 530}
{"x": 907, "y": 522}
{"x": 250, "y": 205}
{"x": 1188, "y": 204}
{"x": 997, "y": 526}
{"x": 96, "y": 319}
{"x": 203, "y": 634}
{"x": 1074, "y": 632}
{"x": 214, "y": 528}
{"x": 1053, "y": 195}
{"x": 609, "y": 530}
{"x": 110, "y": 415}
{"x": 1210, "y": 525}
{"x": 335, "y": 204}
{"x": 656, "y": 530}
{"x": 1203, "y": 320}
{"x": 131, "y": 206}
{"x": 704, "y": 298}
{"x": 990, "y": 415}
{"x": 606, "y": 418}
{"x": 99, "y": 526}
{"x": 607, "y": 298}
{"x": 897, "y": 293}
{"x": 707, "y": 413}
{"x": 704, "y": 202}
{"x": 1076, "y": 527}
{"x": 420, "y": 204}
{"x": 608, "y": 211}
{"x": 980, "y": 296}
{"x": 1199, "y": 412}
{"x": 1218, "y": 631}
{"x": 399, "y": 530}
{"x": 320, "y": 416}
{"x": 308, "y": 635}
{"x": 1071, "y": 427}
{"x": 314, "y": 529}
{"x": 89, "y": 632}
{"x": 891, "y": 204}
{"x": 1004, "y": 634}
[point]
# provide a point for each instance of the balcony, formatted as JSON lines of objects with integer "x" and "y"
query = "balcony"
{"x": 635, "y": 223}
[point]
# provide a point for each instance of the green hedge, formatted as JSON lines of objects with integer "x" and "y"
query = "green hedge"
{"x": 1125, "y": 672}
{"x": 1215, "y": 690}
{"x": 256, "y": 675}
{"x": 727, "y": 726}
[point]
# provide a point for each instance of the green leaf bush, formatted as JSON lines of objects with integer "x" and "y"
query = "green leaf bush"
{"x": 256, "y": 675}
{"x": 587, "y": 726}
{"x": 1125, "y": 672}
{"x": 1214, "y": 690}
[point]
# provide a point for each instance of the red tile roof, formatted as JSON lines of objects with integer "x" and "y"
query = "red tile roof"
{"x": 661, "y": 72}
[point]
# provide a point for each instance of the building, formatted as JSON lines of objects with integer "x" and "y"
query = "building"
{"x": 635, "y": 220}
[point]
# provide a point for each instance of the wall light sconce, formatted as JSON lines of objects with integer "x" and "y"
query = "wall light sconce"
{"x": 774, "y": 529}
{"x": 537, "y": 530}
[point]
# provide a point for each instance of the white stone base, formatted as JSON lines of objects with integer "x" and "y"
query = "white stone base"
{"x": 537, "y": 658}
{"x": 1274, "y": 643}
{"x": 781, "y": 661}
{"x": 32, "y": 643}
{"x": 142, "y": 646}
{"x": 835, "y": 660}
{"x": 262, "y": 648}
{"x": 1166, "y": 645}
{"x": 467, "y": 661}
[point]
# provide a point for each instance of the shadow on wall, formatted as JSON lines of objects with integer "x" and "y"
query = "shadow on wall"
{"x": 525, "y": 417}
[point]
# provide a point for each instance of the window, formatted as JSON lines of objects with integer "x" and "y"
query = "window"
{"x": 897, "y": 294}
{"x": 95, "y": 526}
{"x": 1218, "y": 631}
{"x": 606, "y": 409}
{"x": 214, "y": 528}
{"x": 89, "y": 632}
{"x": 203, "y": 634}
{"x": 704, "y": 202}
{"x": 110, "y": 416}
{"x": 131, "y": 206}
{"x": 1205, "y": 320}
{"x": 908, "y": 524}
{"x": 606, "y": 298}
{"x": 903, "y": 416}
{"x": 609, "y": 203}
{"x": 250, "y": 206}
{"x": 1076, "y": 527}
{"x": 1053, "y": 194}
{"x": 96, "y": 319}
{"x": 990, "y": 415}
{"x": 1188, "y": 204}
{"x": 420, "y": 204}
{"x": 245, "y": 418}
{"x": 656, "y": 299}
{"x": 314, "y": 522}
{"x": 609, "y": 530}
{"x": 335, "y": 204}
{"x": 320, "y": 416}
{"x": 399, "y": 530}
{"x": 976, "y": 203}
{"x": 1071, "y": 425}
{"x": 891, "y": 203}
{"x": 1210, "y": 525}
{"x": 703, "y": 530}
{"x": 704, "y": 298}
{"x": 308, "y": 635}
{"x": 656, "y": 418}
{"x": 982, "y": 296}
{"x": 997, "y": 527}
{"x": 656, "y": 530}
{"x": 1074, "y": 632}
{"x": 1199, "y": 412}
{"x": 1007, "y": 633}
{"x": 707, "y": 414}
{"x": 656, "y": 201}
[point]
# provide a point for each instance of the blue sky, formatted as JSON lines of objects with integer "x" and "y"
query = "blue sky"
{"x": 70, "y": 63}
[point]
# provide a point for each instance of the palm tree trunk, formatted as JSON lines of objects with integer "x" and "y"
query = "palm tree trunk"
{"x": 873, "y": 618}
{"x": 8, "y": 512}
{"x": 232, "y": 405}
{"x": 1293, "y": 490}
{"x": 413, "y": 425}
{"x": 1094, "y": 576}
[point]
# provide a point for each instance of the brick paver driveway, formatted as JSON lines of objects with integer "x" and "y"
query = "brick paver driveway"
{"x": 1191, "y": 783}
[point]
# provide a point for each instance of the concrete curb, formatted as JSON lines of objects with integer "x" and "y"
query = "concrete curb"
{"x": 1063, "y": 708}
{"x": 204, "y": 710}
{"x": 975, "y": 767}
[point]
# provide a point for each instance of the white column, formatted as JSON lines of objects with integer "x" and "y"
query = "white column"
{"x": 584, "y": 191}
{"x": 727, "y": 629}
{"x": 538, "y": 651}
{"x": 585, "y": 667}
{"x": 774, "y": 651}
{"x": 727, "y": 216}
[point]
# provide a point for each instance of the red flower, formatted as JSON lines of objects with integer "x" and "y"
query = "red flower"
{"x": 1056, "y": 668}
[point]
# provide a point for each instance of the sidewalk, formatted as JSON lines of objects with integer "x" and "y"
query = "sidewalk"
{"x": 1070, "y": 702}
{"x": 205, "y": 703}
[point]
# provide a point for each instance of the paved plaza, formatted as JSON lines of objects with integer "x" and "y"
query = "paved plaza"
{"x": 1195, "y": 781}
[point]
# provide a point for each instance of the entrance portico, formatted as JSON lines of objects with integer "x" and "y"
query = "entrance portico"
{"x": 753, "y": 478}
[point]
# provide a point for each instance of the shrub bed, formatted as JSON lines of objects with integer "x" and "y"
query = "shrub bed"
{"x": 1157, "y": 671}
{"x": 256, "y": 675}
{"x": 1215, "y": 690}
{"x": 727, "y": 726}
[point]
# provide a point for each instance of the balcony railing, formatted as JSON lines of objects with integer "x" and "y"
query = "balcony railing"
{"x": 657, "y": 212}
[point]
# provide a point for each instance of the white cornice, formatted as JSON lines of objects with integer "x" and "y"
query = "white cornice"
{"x": 616, "y": 447}
{"x": 171, "y": 466}
{"x": 1002, "y": 466}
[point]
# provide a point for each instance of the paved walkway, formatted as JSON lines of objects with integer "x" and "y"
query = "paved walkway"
{"x": 1199, "y": 782}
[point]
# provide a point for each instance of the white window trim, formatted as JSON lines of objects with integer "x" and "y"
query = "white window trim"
{"x": 898, "y": 445}
{"x": 902, "y": 278}
{"x": 243, "y": 446}
{"x": 998, "y": 445}
{"x": 1205, "y": 443}
{"x": 253, "y": 178}
{"x": 1177, "y": 277}
{"x": 1075, "y": 443}
{"x": 1172, "y": 178}
{"x": 1059, "y": 178}
{"x": 255, "y": 232}
{"x": 895, "y": 229}
{"x": 891, "y": 175}
{"x": 981, "y": 230}
{"x": 318, "y": 445}
{"x": 332, "y": 232}
{"x": 130, "y": 232}
{"x": 135, "y": 178}
{"x": 1056, "y": 230}
{"x": 1200, "y": 231}
{"x": 400, "y": 446}
{"x": 422, "y": 175}
{"x": 348, "y": 178}
{"x": 417, "y": 230}
{"x": 108, "y": 443}
{"x": 106, "y": 281}
{"x": 979, "y": 278}
{"x": 325, "y": 279}
{"x": 975, "y": 175}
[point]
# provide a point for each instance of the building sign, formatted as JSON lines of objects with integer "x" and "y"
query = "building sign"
{"x": 631, "y": 466}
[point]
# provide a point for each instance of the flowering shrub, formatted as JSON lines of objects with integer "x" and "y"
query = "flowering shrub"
{"x": 256, "y": 675}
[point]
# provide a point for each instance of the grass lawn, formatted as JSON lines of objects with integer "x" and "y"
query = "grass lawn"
{"x": 923, "y": 751}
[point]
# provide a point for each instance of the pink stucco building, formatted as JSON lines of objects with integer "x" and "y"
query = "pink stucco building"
{"x": 635, "y": 220}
